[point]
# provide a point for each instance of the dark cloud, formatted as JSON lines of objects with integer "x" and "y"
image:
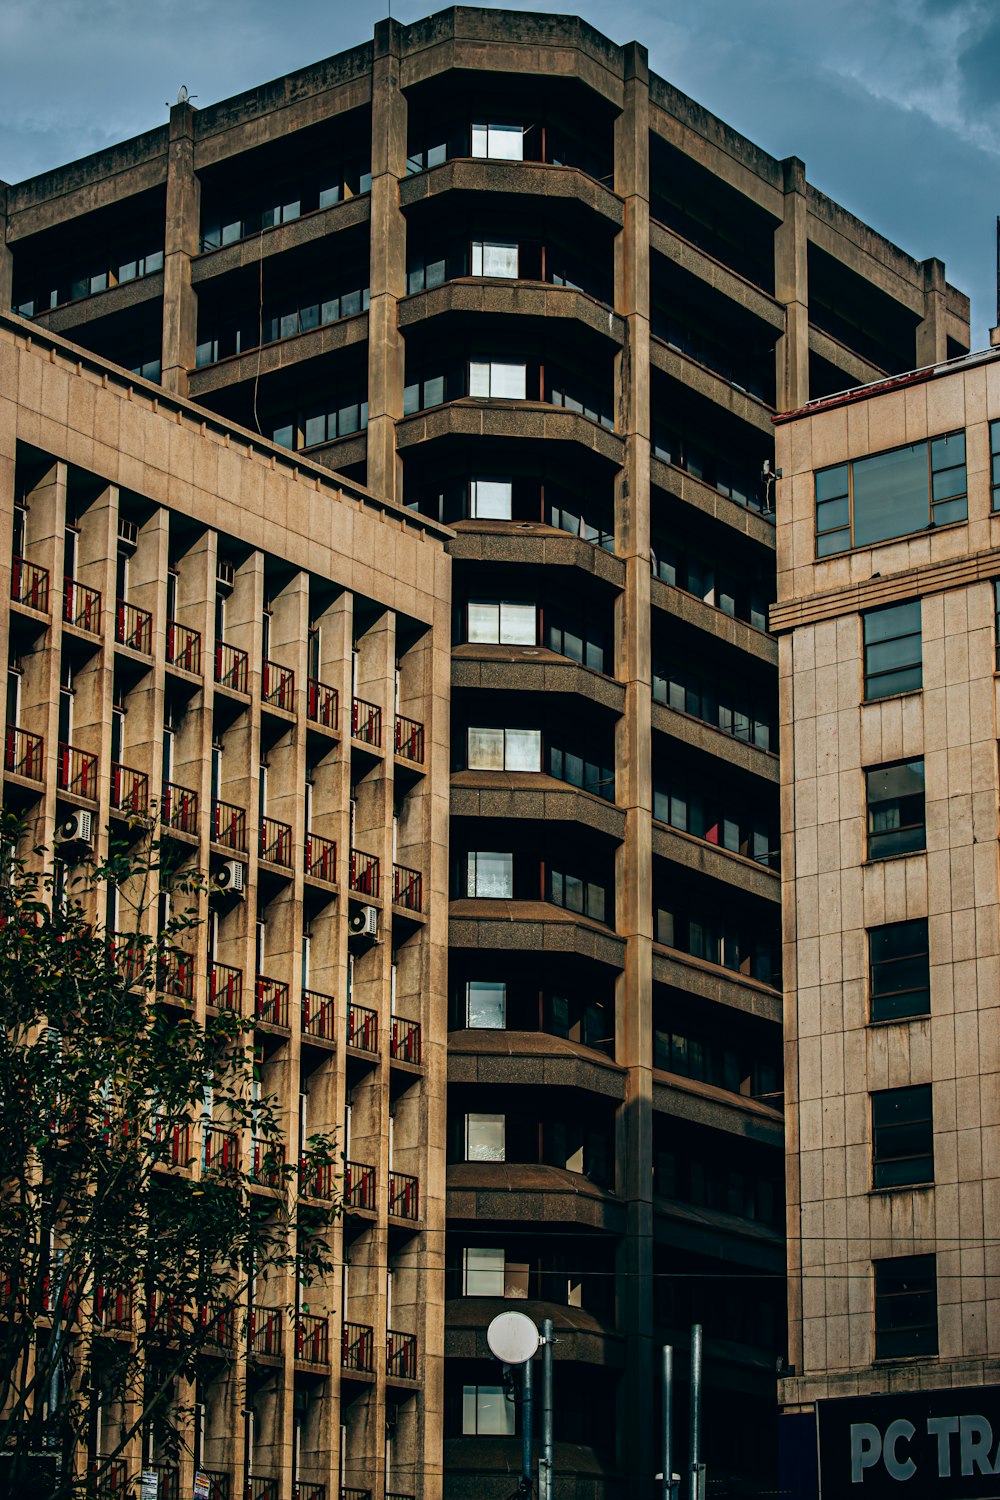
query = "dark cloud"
{"x": 979, "y": 66}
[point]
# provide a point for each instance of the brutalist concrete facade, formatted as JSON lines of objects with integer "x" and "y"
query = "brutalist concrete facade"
{"x": 494, "y": 268}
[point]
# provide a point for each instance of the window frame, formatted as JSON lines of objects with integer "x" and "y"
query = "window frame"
{"x": 878, "y": 994}
{"x": 506, "y": 732}
{"x": 472, "y": 873}
{"x": 896, "y": 1113}
{"x": 500, "y": 1259}
{"x": 848, "y": 526}
{"x": 499, "y": 984}
{"x": 871, "y": 834}
{"x": 471, "y": 1393}
{"x": 484, "y": 1117}
{"x": 886, "y": 674}
{"x": 918, "y": 1267}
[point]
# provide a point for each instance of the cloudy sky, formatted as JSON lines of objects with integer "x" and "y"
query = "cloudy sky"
{"x": 893, "y": 104}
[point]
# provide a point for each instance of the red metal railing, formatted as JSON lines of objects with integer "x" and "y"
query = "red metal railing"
{"x": 359, "y": 1186}
{"x": 278, "y": 686}
{"x": 179, "y": 807}
{"x": 77, "y": 772}
{"x": 268, "y": 1164}
{"x": 134, "y": 627}
{"x": 108, "y": 1479}
{"x": 229, "y": 826}
{"x": 319, "y": 1015}
{"x": 219, "y": 1484}
{"x": 29, "y": 584}
{"x": 365, "y": 874}
{"x": 348, "y": 1492}
{"x": 401, "y": 1355}
{"x": 265, "y": 1330}
{"x": 322, "y": 704}
{"x": 173, "y": 1137}
{"x": 312, "y": 1339}
{"x": 409, "y": 739}
{"x": 259, "y": 1488}
{"x": 175, "y": 974}
{"x": 404, "y": 1043}
{"x": 23, "y": 753}
{"x": 112, "y": 1308}
{"x": 404, "y": 1196}
{"x": 366, "y": 721}
{"x": 164, "y": 1316}
{"x": 218, "y": 1324}
{"x": 271, "y": 1001}
{"x": 407, "y": 888}
{"x": 321, "y": 858}
{"x": 183, "y": 647}
{"x": 220, "y": 1149}
{"x": 231, "y": 667}
{"x": 398, "y": 1495}
{"x": 129, "y": 789}
{"x": 225, "y": 987}
{"x": 357, "y": 1347}
{"x": 168, "y": 1481}
{"x": 82, "y": 606}
{"x": 276, "y": 842}
{"x": 362, "y": 1027}
{"x": 303, "y": 1491}
{"x": 317, "y": 1181}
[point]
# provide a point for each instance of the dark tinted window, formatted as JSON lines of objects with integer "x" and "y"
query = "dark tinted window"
{"x": 891, "y": 494}
{"x": 895, "y": 809}
{"x": 899, "y": 972}
{"x": 893, "y": 650}
{"x": 905, "y": 1306}
{"x": 902, "y": 1137}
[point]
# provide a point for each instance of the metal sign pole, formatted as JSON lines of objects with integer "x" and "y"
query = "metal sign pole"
{"x": 695, "y": 1455}
{"x": 667, "y": 1492}
{"x": 527, "y": 1421}
{"x": 546, "y": 1477}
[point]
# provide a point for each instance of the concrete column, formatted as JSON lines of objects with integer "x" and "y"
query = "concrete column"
{"x": 932, "y": 333}
{"x": 180, "y": 302}
{"x": 634, "y": 1027}
{"x": 791, "y": 286}
{"x": 6, "y": 256}
{"x": 387, "y": 279}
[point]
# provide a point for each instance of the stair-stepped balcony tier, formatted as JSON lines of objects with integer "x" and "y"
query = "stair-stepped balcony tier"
{"x": 366, "y": 722}
{"x": 29, "y": 585}
{"x": 401, "y": 1355}
{"x": 357, "y": 1350}
{"x": 362, "y": 1027}
{"x": 225, "y": 987}
{"x": 321, "y": 858}
{"x": 23, "y": 754}
{"x": 409, "y": 739}
{"x": 229, "y": 826}
{"x": 82, "y": 606}
{"x": 183, "y": 648}
{"x": 407, "y": 888}
{"x": 133, "y": 627}
{"x": 359, "y": 1186}
{"x": 232, "y": 667}
{"x": 312, "y": 1339}
{"x": 405, "y": 1041}
{"x": 365, "y": 873}
{"x": 276, "y": 843}
{"x": 265, "y": 1330}
{"x": 129, "y": 789}
{"x": 322, "y": 704}
{"x": 271, "y": 1002}
{"x": 77, "y": 772}
{"x": 404, "y": 1196}
{"x": 179, "y": 808}
{"x": 278, "y": 686}
{"x": 319, "y": 1016}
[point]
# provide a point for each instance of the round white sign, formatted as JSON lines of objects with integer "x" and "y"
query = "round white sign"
{"x": 513, "y": 1338}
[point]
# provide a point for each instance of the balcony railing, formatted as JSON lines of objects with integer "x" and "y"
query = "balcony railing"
{"x": 175, "y": 974}
{"x": 108, "y": 1479}
{"x": 260, "y": 1488}
{"x": 112, "y": 1309}
{"x": 366, "y": 721}
{"x": 276, "y": 842}
{"x": 179, "y": 808}
{"x": 173, "y": 1138}
{"x": 128, "y": 950}
{"x": 319, "y": 1015}
{"x": 349, "y": 1492}
{"x": 134, "y": 627}
{"x": 359, "y": 1186}
{"x": 165, "y": 1317}
{"x": 23, "y": 754}
{"x": 271, "y": 1001}
{"x": 268, "y": 1164}
{"x": 357, "y": 1348}
{"x": 29, "y": 584}
{"x": 410, "y": 739}
{"x": 404, "y": 1042}
{"x": 168, "y": 1481}
{"x": 183, "y": 647}
{"x": 322, "y": 704}
{"x": 321, "y": 858}
{"x": 365, "y": 873}
{"x": 225, "y": 987}
{"x": 229, "y": 826}
{"x": 404, "y": 1196}
{"x": 398, "y": 1495}
{"x": 407, "y": 888}
{"x": 312, "y": 1339}
{"x": 218, "y": 1323}
{"x": 77, "y": 772}
{"x": 362, "y": 1027}
{"x": 278, "y": 686}
{"x": 265, "y": 1330}
{"x": 129, "y": 789}
{"x": 401, "y": 1355}
{"x": 303, "y": 1491}
{"x": 220, "y": 1149}
{"x": 219, "y": 1484}
{"x": 317, "y": 1181}
{"x": 231, "y": 667}
{"x": 82, "y": 606}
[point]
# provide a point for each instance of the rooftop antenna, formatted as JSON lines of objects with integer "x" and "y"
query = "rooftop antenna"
{"x": 183, "y": 97}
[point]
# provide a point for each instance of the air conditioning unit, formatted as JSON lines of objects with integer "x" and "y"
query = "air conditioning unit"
{"x": 363, "y": 921}
{"x": 230, "y": 877}
{"x": 225, "y": 574}
{"x": 128, "y": 532}
{"x": 77, "y": 828}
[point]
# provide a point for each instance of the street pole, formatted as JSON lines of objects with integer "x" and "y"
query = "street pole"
{"x": 546, "y": 1477}
{"x": 667, "y": 1492}
{"x": 527, "y": 1424}
{"x": 695, "y": 1456}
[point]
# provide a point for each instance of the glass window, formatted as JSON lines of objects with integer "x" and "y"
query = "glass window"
{"x": 485, "y": 1137}
{"x": 995, "y": 464}
{"x": 485, "y": 750}
{"x": 893, "y": 650}
{"x": 490, "y": 499}
{"x": 996, "y": 608}
{"x": 891, "y": 494}
{"x": 899, "y": 971}
{"x": 502, "y": 142}
{"x": 482, "y": 1272}
{"x": 505, "y": 379}
{"x": 486, "y": 1412}
{"x": 490, "y": 875}
{"x": 902, "y": 1137}
{"x": 905, "y": 1306}
{"x": 896, "y": 809}
{"x": 505, "y": 750}
{"x": 486, "y": 1004}
{"x": 502, "y": 623}
{"x": 494, "y": 258}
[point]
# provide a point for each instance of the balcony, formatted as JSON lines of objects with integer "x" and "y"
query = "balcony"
{"x": 401, "y": 1355}
{"x": 312, "y": 1339}
{"x": 127, "y": 951}
{"x": 359, "y": 1186}
{"x": 77, "y": 772}
{"x": 183, "y": 648}
{"x": 264, "y": 1331}
{"x": 366, "y": 721}
{"x": 229, "y": 826}
{"x": 303, "y": 1491}
{"x": 260, "y": 1488}
{"x": 357, "y": 1350}
{"x": 276, "y": 842}
{"x": 112, "y": 1309}
{"x": 268, "y": 1164}
{"x": 271, "y": 1001}
{"x": 175, "y": 975}
{"x": 218, "y": 1324}
{"x": 108, "y": 1479}
{"x": 219, "y": 1484}
{"x": 410, "y": 740}
{"x": 168, "y": 1480}
{"x": 407, "y": 888}
{"x": 29, "y": 585}
{"x": 23, "y": 754}
{"x": 278, "y": 686}
{"x": 349, "y": 1492}
{"x": 321, "y": 858}
{"x": 317, "y": 1181}
{"x": 404, "y": 1196}
{"x": 362, "y": 1027}
{"x": 82, "y": 606}
{"x": 319, "y": 1016}
{"x": 365, "y": 873}
{"x": 322, "y": 704}
{"x": 133, "y": 628}
{"x": 225, "y": 987}
{"x": 231, "y": 667}
{"x": 404, "y": 1042}
{"x": 129, "y": 790}
{"x": 164, "y": 1317}
{"x": 220, "y": 1149}
{"x": 174, "y": 1140}
{"x": 179, "y": 808}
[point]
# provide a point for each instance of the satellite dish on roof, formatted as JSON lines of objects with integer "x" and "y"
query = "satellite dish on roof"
{"x": 182, "y": 94}
{"x": 513, "y": 1338}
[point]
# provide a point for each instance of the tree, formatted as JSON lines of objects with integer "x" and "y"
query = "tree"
{"x": 144, "y": 1191}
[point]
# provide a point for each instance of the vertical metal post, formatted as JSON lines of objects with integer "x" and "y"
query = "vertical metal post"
{"x": 527, "y": 1423}
{"x": 667, "y": 1492}
{"x": 695, "y": 1454}
{"x": 546, "y": 1477}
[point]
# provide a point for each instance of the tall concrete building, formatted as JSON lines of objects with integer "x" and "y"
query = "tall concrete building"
{"x": 492, "y": 267}
{"x": 888, "y": 596}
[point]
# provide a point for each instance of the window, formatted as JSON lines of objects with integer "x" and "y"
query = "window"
{"x": 580, "y": 641}
{"x": 502, "y": 142}
{"x": 902, "y": 1137}
{"x": 905, "y": 1306}
{"x": 423, "y": 393}
{"x": 486, "y": 1412}
{"x": 996, "y": 609}
{"x": 896, "y": 809}
{"x": 995, "y": 465}
{"x": 575, "y": 894}
{"x": 482, "y": 1272}
{"x": 425, "y": 271}
{"x": 485, "y": 1138}
{"x": 505, "y": 749}
{"x": 891, "y": 494}
{"x": 494, "y": 258}
{"x": 578, "y": 770}
{"x": 505, "y": 379}
{"x": 893, "y": 651}
{"x": 502, "y": 623}
{"x": 899, "y": 971}
{"x": 490, "y": 875}
{"x": 490, "y": 499}
{"x": 486, "y": 1004}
